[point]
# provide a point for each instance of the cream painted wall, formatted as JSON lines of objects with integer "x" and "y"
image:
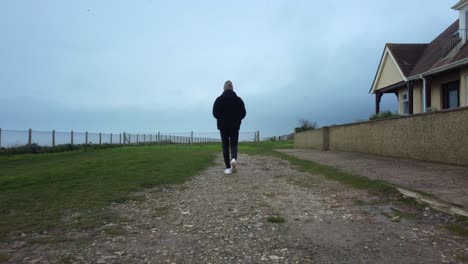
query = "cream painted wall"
{"x": 464, "y": 87}
{"x": 400, "y": 100}
{"x": 437, "y": 82}
{"x": 417, "y": 97}
{"x": 389, "y": 74}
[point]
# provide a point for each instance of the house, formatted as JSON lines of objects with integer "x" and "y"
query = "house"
{"x": 430, "y": 76}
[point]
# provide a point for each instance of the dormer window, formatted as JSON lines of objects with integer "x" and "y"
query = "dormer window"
{"x": 462, "y": 7}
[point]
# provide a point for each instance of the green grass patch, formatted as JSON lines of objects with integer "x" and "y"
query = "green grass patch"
{"x": 411, "y": 201}
{"x": 360, "y": 202}
{"x": 462, "y": 257}
{"x": 457, "y": 229}
{"x": 276, "y": 219}
{"x": 160, "y": 211}
{"x": 406, "y": 215}
{"x": 4, "y": 257}
{"x": 356, "y": 181}
{"x": 36, "y": 190}
{"x": 67, "y": 259}
{"x": 114, "y": 231}
{"x": 304, "y": 183}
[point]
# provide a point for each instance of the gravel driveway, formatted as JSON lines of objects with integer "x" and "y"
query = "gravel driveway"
{"x": 269, "y": 212}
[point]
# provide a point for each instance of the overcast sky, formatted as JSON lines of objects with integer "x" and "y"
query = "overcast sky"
{"x": 145, "y": 66}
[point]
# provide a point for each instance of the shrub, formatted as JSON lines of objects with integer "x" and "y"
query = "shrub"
{"x": 385, "y": 114}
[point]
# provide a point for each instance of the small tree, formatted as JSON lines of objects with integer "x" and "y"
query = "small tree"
{"x": 305, "y": 125}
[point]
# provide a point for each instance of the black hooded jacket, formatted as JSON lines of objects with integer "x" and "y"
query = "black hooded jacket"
{"x": 229, "y": 110}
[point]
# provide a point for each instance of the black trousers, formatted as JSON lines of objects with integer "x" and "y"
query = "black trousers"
{"x": 230, "y": 139}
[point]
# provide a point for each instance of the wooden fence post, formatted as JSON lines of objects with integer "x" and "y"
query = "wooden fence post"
{"x": 129, "y": 138}
{"x": 100, "y": 138}
{"x": 111, "y": 138}
{"x": 120, "y": 139}
{"x": 191, "y": 137}
{"x": 137, "y": 139}
{"x": 86, "y": 138}
{"x": 29, "y": 136}
{"x": 53, "y": 138}
{"x": 71, "y": 137}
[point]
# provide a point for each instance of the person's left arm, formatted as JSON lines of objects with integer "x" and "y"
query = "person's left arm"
{"x": 216, "y": 108}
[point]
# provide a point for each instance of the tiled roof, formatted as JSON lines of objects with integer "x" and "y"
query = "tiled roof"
{"x": 433, "y": 55}
{"x": 406, "y": 55}
{"x": 415, "y": 59}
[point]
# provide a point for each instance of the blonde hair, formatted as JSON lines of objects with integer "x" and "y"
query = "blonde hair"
{"x": 228, "y": 85}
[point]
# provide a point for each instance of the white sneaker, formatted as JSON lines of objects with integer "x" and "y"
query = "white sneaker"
{"x": 228, "y": 171}
{"x": 234, "y": 165}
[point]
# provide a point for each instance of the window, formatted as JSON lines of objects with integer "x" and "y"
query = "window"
{"x": 466, "y": 20}
{"x": 466, "y": 90}
{"x": 405, "y": 103}
{"x": 451, "y": 95}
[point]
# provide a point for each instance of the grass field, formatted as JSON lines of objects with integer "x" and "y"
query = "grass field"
{"x": 37, "y": 190}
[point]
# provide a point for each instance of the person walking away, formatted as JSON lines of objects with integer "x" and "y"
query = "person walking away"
{"x": 229, "y": 110}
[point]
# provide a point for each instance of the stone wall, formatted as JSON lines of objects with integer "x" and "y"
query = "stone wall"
{"x": 441, "y": 137}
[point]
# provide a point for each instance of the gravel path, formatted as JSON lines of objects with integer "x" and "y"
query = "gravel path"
{"x": 227, "y": 219}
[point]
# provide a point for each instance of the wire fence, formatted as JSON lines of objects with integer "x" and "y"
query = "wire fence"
{"x": 16, "y": 138}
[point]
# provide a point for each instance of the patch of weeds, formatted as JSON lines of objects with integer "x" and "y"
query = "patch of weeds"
{"x": 114, "y": 230}
{"x": 137, "y": 198}
{"x": 380, "y": 200}
{"x": 301, "y": 182}
{"x": 119, "y": 200}
{"x": 359, "y": 202}
{"x": 457, "y": 229}
{"x": 406, "y": 215}
{"x": 413, "y": 202}
{"x": 124, "y": 220}
{"x": 386, "y": 215}
{"x": 263, "y": 205}
{"x": 364, "y": 212}
{"x": 51, "y": 239}
{"x": 148, "y": 185}
{"x": 461, "y": 219}
{"x": 67, "y": 259}
{"x": 4, "y": 257}
{"x": 462, "y": 257}
{"x": 159, "y": 211}
{"x": 182, "y": 187}
{"x": 275, "y": 219}
{"x": 270, "y": 195}
{"x": 93, "y": 218}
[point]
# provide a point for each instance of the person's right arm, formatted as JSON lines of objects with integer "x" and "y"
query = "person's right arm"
{"x": 242, "y": 109}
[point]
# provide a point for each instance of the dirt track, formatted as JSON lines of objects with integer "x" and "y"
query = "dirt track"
{"x": 224, "y": 219}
